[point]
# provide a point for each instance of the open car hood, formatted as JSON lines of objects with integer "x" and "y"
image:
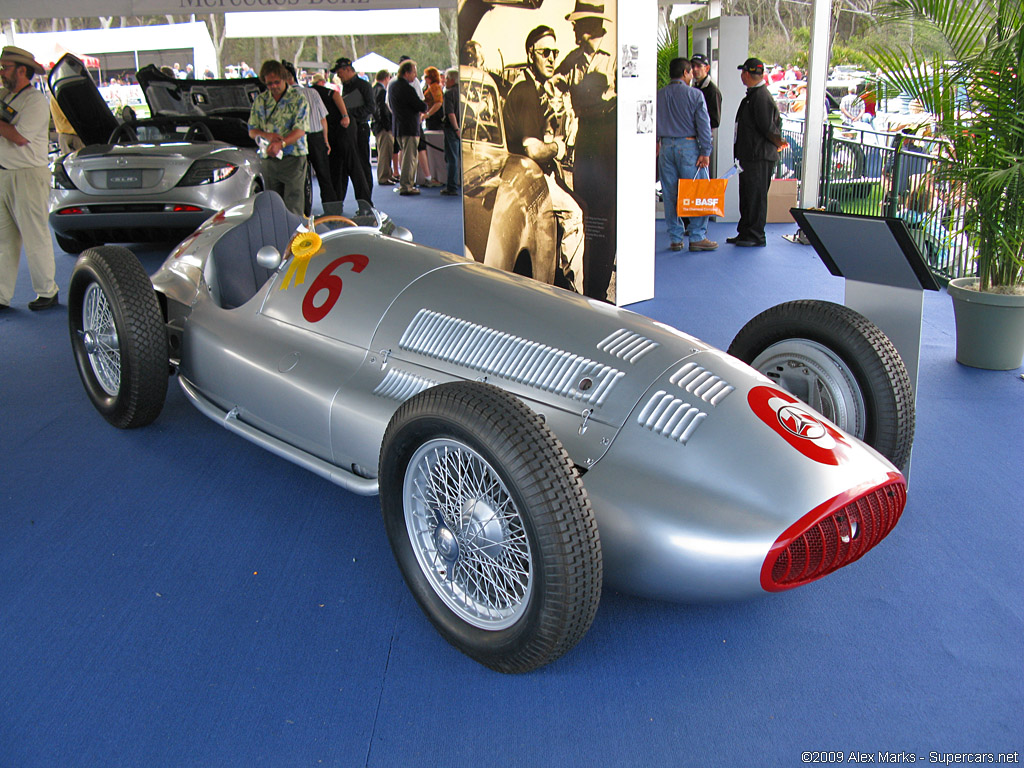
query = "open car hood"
{"x": 80, "y": 100}
{"x": 223, "y": 104}
{"x": 170, "y": 97}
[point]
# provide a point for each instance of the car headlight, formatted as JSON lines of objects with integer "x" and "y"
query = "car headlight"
{"x": 59, "y": 179}
{"x": 207, "y": 172}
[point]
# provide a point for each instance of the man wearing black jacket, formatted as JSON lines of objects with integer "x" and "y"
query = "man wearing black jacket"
{"x": 757, "y": 145}
{"x": 407, "y": 107}
{"x": 702, "y": 79}
{"x": 338, "y": 136}
{"x": 358, "y": 97}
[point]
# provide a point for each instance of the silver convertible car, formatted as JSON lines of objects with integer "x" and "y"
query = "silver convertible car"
{"x": 155, "y": 179}
{"x": 529, "y": 445}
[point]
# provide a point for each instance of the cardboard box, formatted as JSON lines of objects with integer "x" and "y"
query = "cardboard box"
{"x": 782, "y": 195}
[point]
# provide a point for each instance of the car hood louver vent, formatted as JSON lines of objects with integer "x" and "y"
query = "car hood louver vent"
{"x": 670, "y": 417}
{"x": 501, "y": 354}
{"x": 702, "y": 383}
{"x": 627, "y": 345}
{"x": 401, "y": 385}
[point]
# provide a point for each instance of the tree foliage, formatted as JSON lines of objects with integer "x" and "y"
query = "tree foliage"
{"x": 437, "y": 49}
{"x": 976, "y": 94}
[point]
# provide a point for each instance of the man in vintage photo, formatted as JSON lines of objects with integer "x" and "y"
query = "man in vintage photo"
{"x": 531, "y": 119}
{"x": 589, "y": 74}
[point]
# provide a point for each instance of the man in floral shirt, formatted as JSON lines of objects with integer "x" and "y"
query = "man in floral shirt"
{"x": 278, "y": 122}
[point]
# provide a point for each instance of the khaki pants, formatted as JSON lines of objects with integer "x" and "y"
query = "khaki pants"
{"x": 410, "y": 159}
{"x": 385, "y": 153}
{"x": 287, "y": 177}
{"x": 24, "y": 207}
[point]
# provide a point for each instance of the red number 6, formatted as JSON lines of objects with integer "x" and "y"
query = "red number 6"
{"x": 327, "y": 281}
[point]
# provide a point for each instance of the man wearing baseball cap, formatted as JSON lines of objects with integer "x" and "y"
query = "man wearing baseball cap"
{"x": 702, "y": 80}
{"x": 358, "y": 96}
{"x": 757, "y": 144}
{"x": 24, "y": 180}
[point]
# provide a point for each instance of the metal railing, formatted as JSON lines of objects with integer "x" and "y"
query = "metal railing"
{"x": 898, "y": 179}
{"x": 884, "y": 174}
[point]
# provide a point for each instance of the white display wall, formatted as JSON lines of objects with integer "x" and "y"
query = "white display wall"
{"x": 637, "y": 89}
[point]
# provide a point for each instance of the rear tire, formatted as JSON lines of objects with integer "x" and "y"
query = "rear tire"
{"x": 118, "y": 336}
{"x": 491, "y": 526}
{"x": 841, "y": 364}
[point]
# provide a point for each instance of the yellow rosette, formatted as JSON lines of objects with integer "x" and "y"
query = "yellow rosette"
{"x": 304, "y": 246}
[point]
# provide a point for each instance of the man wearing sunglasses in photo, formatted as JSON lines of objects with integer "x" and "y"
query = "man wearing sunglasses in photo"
{"x": 535, "y": 121}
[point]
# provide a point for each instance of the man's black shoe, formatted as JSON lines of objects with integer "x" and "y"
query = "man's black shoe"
{"x": 43, "y": 302}
{"x": 749, "y": 244}
{"x": 733, "y": 240}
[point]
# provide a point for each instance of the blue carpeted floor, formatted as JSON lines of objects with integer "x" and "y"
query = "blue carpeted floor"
{"x": 174, "y": 596}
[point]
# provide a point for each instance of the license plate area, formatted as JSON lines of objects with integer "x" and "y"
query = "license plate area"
{"x": 126, "y": 179}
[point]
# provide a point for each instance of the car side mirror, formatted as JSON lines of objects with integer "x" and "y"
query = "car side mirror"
{"x": 402, "y": 234}
{"x": 268, "y": 257}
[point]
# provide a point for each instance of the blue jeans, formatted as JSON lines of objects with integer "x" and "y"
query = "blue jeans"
{"x": 452, "y": 152}
{"x": 678, "y": 160}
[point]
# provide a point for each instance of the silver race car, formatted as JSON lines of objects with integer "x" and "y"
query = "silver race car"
{"x": 155, "y": 179}
{"x": 529, "y": 445}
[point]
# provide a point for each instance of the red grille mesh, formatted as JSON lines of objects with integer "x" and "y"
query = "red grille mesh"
{"x": 833, "y": 535}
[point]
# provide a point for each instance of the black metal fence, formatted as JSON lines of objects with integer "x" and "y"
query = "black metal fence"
{"x": 885, "y": 174}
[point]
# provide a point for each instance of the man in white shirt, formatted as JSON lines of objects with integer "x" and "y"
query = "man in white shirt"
{"x": 852, "y": 106}
{"x": 24, "y": 180}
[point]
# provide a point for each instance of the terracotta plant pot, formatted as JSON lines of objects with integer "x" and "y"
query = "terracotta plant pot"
{"x": 989, "y": 326}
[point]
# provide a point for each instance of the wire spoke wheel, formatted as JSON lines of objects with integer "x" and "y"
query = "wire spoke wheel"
{"x": 467, "y": 534}
{"x": 99, "y": 335}
{"x": 490, "y": 525}
{"x": 118, "y": 336}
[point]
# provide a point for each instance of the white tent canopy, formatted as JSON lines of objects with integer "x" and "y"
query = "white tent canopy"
{"x": 373, "y": 63}
{"x": 135, "y": 40}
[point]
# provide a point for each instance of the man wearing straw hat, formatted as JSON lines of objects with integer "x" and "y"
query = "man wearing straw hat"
{"x": 24, "y": 180}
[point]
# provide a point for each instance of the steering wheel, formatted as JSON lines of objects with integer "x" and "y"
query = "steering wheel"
{"x": 124, "y": 133}
{"x": 200, "y": 130}
{"x": 334, "y": 217}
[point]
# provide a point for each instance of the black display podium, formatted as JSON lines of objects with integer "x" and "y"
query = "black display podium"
{"x": 885, "y": 273}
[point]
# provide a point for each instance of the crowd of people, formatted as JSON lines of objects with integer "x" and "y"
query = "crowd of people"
{"x": 323, "y": 128}
{"x": 320, "y": 124}
{"x": 684, "y": 130}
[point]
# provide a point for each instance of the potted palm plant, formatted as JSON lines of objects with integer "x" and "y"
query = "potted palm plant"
{"x": 976, "y": 95}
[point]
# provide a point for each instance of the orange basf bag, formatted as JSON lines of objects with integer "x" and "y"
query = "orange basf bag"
{"x": 701, "y": 197}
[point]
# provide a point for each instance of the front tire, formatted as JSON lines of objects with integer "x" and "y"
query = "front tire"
{"x": 118, "y": 336}
{"x": 841, "y": 364}
{"x": 490, "y": 525}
